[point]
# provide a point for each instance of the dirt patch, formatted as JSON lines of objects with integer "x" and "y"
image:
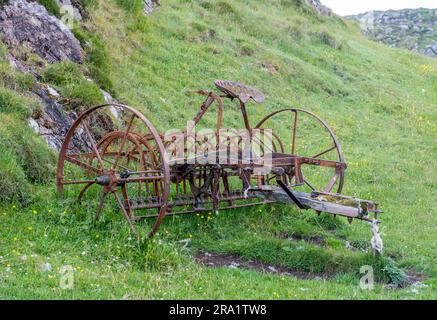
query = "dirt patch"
{"x": 269, "y": 67}
{"x": 216, "y": 260}
{"x": 317, "y": 240}
{"x": 414, "y": 281}
{"x": 413, "y": 277}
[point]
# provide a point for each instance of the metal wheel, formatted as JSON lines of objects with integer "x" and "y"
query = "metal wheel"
{"x": 126, "y": 160}
{"x": 303, "y": 134}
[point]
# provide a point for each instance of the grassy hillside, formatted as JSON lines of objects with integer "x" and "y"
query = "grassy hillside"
{"x": 381, "y": 102}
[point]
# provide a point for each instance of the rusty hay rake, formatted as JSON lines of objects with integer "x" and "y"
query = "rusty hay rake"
{"x": 291, "y": 156}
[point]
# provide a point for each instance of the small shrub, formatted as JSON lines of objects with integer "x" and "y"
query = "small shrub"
{"x": 394, "y": 274}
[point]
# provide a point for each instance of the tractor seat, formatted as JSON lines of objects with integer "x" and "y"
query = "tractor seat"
{"x": 240, "y": 91}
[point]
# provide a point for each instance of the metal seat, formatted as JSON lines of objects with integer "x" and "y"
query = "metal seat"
{"x": 239, "y": 91}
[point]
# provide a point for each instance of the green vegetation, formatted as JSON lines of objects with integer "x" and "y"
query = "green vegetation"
{"x": 24, "y": 158}
{"x": 379, "y": 101}
{"x": 69, "y": 80}
{"x": 51, "y": 6}
{"x": 97, "y": 58}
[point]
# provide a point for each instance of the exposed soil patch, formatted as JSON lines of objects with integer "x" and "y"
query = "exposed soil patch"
{"x": 317, "y": 240}
{"x": 270, "y": 67}
{"x": 414, "y": 281}
{"x": 216, "y": 260}
{"x": 413, "y": 277}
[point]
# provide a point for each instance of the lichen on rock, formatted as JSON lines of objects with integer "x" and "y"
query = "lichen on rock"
{"x": 28, "y": 24}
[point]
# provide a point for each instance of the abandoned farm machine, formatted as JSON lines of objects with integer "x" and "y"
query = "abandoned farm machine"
{"x": 291, "y": 156}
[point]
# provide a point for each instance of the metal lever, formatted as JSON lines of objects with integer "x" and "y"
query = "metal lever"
{"x": 279, "y": 172}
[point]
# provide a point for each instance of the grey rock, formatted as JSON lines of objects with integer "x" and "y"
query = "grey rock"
{"x": 320, "y": 8}
{"x": 150, "y": 5}
{"x": 53, "y": 123}
{"x": 28, "y": 24}
{"x": 116, "y": 111}
{"x": 413, "y": 29}
{"x": 68, "y": 7}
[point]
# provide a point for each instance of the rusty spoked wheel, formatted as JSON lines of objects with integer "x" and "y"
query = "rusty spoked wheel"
{"x": 124, "y": 157}
{"x": 303, "y": 134}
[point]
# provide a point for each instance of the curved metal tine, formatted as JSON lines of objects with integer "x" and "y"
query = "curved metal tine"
{"x": 123, "y": 142}
{"x": 82, "y": 192}
{"x": 93, "y": 144}
{"x": 100, "y": 207}
{"x": 125, "y": 214}
{"x": 324, "y": 152}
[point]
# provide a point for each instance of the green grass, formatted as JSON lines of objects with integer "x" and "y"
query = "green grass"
{"x": 69, "y": 80}
{"x": 51, "y": 6}
{"x": 379, "y": 101}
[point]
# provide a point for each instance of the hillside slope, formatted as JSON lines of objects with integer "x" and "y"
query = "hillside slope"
{"x": 412, "y": 29}
{"x": 381, "y": 102}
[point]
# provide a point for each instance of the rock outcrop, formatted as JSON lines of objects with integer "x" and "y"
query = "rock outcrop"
{"x": 52, "y": 124}
{"x": 150, "y": 5}
{"x": 320, "y": 8}
{"x": 72, "y": 7}
{"x": 413, "y": 29}
{"x": 28, "y": 24}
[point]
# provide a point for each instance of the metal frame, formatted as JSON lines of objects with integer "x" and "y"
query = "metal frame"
{"x": 164, "y": 188}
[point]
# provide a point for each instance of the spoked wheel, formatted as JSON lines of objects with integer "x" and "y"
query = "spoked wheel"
{"x": 127, "y": 161}
{"x": 303, "y": 134}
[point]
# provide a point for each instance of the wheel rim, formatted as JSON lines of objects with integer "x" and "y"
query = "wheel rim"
{"x": 91, "y": 142}
{"x": 304, "y": 127}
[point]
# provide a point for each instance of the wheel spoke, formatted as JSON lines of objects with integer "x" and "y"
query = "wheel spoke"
{"x": 123, "y": 141}
{"x": 331, "y": 183}
{"x": 100, "y": 207}
{"x": 83, "y": 165}
{"x": 93, "y": 144}
{"x": 324, "y": 152}
{"x": 123, "y": 209}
